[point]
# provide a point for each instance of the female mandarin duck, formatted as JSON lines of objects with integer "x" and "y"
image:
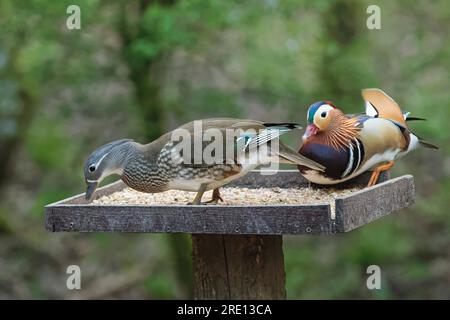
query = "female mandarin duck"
{"x": 348, "y": 145}
{"x": 158, "y": 166}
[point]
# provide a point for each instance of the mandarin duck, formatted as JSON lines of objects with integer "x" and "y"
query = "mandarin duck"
{"x": 160, "y": 166}
{"x": 348, "y": 145}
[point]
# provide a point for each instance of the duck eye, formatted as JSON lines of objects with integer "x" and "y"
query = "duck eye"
{"x": 91, "y": 168}
{"x": 323, "y": 114}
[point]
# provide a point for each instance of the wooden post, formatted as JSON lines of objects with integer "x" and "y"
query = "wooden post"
{"x": 238, "y": 267}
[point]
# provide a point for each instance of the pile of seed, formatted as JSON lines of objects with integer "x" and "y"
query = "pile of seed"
{"x": 230, "y": 195}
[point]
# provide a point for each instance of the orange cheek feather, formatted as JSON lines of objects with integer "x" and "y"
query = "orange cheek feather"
{"x": 322, "y": 123}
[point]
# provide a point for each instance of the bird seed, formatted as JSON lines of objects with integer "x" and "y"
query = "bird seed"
{"x": 231, "y": 196}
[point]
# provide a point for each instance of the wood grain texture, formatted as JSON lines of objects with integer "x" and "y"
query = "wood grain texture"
{"x": 288, "y": 219}
{"x": 238, "y": 267}
{"x": 75, "y": 215}
{"x": 372, "y": 203}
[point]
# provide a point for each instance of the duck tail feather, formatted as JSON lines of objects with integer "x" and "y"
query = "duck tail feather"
{"x": 428, "y": 145}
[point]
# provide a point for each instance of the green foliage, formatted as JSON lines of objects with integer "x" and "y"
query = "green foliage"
{"x": 48, "y": 145}
{"x": 4, "y": 225}
{"x": 159, "y": 286}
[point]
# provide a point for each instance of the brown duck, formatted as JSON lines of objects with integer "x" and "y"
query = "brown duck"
{"x": 160, "y": 166}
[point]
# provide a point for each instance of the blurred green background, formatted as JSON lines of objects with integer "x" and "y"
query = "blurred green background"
{"x": 139, "y": 68}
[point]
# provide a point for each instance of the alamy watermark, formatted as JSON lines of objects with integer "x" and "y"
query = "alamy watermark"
{"x": 73, "y": 281}
{"x": 374, "y": 278}
{"x": 73, "y": 21}
{"x": 373, "y": 22}
{"x": 205, "y": 145}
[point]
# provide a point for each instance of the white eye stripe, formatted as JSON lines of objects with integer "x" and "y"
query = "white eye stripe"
{"x": 98, "y": 162}
{"x": 324, "y": 108}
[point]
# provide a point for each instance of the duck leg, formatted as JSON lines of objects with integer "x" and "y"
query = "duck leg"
{"x": 215, "y": 197}
{"x": 376, "y": 173}
{"x": 198, "y": 197}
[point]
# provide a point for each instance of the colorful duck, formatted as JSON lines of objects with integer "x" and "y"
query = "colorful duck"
{"x": 348, "y": 145}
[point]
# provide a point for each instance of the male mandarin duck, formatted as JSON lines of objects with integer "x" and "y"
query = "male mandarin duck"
{"x": 159, "y": 166}
{"x": 348, "y": 145}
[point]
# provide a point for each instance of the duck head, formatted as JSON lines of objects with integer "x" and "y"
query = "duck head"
{"x": 320, "y": 116}
{"x": 106, "y": 160}
{"x": 329, "y": 125}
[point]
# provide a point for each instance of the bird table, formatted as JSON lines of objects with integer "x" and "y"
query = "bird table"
{"x": 237, "y": 250}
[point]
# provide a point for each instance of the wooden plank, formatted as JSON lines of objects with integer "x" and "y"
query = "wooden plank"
{"x": 372, "y": 203}
{"x": 74, "y": 214}
{"x": 284, "y": 219}
{"x": 238, "y": 267}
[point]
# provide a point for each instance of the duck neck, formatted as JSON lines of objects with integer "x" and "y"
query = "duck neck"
{"x": 140, "y": 171}
{"x": 120, "y": 156}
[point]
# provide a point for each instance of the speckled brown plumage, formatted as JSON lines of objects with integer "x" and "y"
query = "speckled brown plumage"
{"x": 162, "y": 164}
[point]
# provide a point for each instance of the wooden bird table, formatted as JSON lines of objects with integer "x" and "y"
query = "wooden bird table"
{"x": 237, "y": 250}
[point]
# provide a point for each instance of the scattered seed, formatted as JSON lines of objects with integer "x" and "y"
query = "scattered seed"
{"x": 231, "y": 196}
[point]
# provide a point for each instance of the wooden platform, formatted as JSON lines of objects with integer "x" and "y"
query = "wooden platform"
{"x": 352, "y": 211}
{"x": 237, "y": 251}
